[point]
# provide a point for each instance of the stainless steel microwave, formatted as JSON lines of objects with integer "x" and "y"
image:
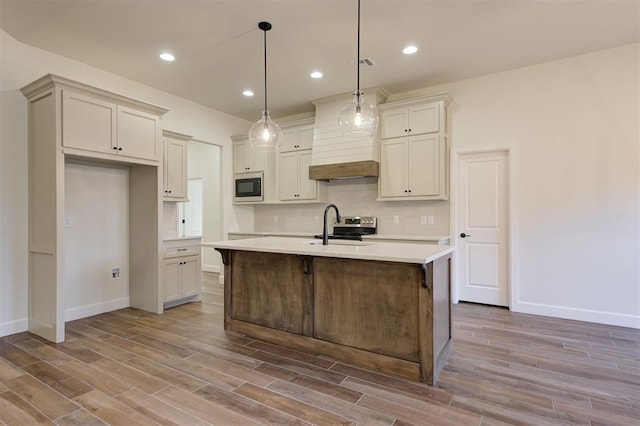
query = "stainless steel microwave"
{"x": 248, "y": 187}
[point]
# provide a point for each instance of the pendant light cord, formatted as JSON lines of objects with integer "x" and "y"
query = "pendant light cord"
{"x": 358, "y": 63}
{"x": 265, "y": 70}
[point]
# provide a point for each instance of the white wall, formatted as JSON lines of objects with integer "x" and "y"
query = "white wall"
{"x": 573, "y": 125}
{"x": 96, "y": 239}
{"x": 21, "y": 64}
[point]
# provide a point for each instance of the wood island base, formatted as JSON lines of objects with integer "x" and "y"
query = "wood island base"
{"x": 391, "y": 317}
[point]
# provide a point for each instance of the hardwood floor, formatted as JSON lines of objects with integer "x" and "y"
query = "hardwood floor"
{"x": 130, "y": 367}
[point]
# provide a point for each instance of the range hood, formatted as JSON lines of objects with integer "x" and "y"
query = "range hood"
{"x": 340, "y": 157}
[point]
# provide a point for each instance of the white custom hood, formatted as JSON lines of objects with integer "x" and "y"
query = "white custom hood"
{"x": 338, "y": 157}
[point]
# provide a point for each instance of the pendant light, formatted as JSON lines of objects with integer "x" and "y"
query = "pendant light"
{"x": 265, "y": 134}
{"x": 359, "y": 117}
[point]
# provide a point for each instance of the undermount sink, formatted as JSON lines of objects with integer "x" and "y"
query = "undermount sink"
{"x": 338, "y": 243}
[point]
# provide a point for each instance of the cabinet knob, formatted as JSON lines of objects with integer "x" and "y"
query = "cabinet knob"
{"x": 170, "y": 192}
{"x": 409, "y": 191}
{"x": 119, "y": 149}
{"x": 115, "y": 147}
{"x": 409, "y": 129}
{"x": 406, "y": 130}
{"x": 463, "y": 235}
{"x": 406, "y": 190}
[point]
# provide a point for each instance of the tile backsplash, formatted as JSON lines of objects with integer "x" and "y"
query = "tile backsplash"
{"x": 357, "y": 197}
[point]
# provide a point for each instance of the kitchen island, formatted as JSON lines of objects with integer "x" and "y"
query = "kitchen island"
{"x": 381, "y": 306}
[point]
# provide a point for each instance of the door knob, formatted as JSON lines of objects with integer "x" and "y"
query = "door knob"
{"x": 463, "y": 235}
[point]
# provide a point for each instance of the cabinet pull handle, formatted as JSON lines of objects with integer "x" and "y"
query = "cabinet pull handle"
{"x": 182, "y": 249}
{"x": 463, "y": 235}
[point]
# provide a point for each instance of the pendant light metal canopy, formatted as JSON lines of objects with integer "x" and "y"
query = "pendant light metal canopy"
{"x": 265, "y": 134}
{"x": 359, "y": 117}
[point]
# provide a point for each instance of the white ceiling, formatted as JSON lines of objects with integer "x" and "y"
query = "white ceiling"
{"x": 219, "y": 47}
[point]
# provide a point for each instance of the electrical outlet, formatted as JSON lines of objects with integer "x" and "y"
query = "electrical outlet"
{"x": 396, "y": 219}
{"x": 67, "y": 222}
{"x": 275, "y": 219}
{"x": 430, "y": 220}
{"x": 115, "y": 272}
{"x": 423, "y": 220}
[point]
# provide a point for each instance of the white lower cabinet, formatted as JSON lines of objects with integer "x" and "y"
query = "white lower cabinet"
{"x": 182, "y": 276}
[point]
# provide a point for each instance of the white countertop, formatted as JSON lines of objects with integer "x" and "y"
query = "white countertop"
{"x": 436, "y": 238}
{"x": 381, "y": 251}
{"x": 191, "y": 237}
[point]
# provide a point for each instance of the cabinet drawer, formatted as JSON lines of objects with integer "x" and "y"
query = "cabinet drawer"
{"x": 179, "y": 251}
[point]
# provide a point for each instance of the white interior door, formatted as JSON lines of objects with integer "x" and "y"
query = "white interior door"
{"x": 482, "y": 228}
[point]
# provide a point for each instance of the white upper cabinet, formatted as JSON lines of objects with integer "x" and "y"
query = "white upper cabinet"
{"x": 245, "y": 158}
{"x": 297, "y": 138}
{"x": 293, "y": 177}
{"x": 175, "y": 166}
{"x": 410, "y": 120}
{"x": 93, "y": 125}
{"x": 414, "y": 153}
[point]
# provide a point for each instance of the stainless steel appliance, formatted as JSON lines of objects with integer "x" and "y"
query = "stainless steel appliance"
{"x": 353, "y": 228}
{"x": 248, "y": 187}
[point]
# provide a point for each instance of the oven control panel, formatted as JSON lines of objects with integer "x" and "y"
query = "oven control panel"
{"x": 358, "y": 221}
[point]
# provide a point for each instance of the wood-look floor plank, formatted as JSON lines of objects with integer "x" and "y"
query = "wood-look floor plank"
{"x": 211, "y": 412}
{"x": 231, "y": 369}
{"x": 130, "y": 375}
{"x": 162, "y": 346}
{"x": 207, "y": 374}
{"x": 157, "y": 410}
{"x": 300, "y": 367}
{"x": 103, "y": 381}
{"x": 8, "y": 370}
{"x": 330, "y": 404}
{"x": 111, "y": 411}
{"x": 16, "y": 411}
{"x": 77, "y": 351}
{"x": 57, "y": 379}
{"x": 16, "y": 355}
{"x": 80, "y": 418}
{"x": 135, "y": 348}
{"x": 49, "y": 402}
{"x": 260, "y": 413}
{"x": 295, "y": 408}
{"x": 291, "y": 354}
{"x": 172, "y": 338}
{"x": 327, "y": 388}
{"x": 381, "y": 381}
{"x": 104, "y": 349}
{"x": 176, "y": 378}
{"x": 227, "y": 355}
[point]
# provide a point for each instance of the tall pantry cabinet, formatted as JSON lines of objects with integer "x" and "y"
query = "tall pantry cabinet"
{"x": 67, "y": 119}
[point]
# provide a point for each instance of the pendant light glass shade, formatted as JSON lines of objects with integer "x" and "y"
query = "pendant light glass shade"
{"x": 265, "y": 134}
{"x": 359, "y": 117}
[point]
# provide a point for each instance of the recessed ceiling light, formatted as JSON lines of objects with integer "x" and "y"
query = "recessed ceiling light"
{"x": 409, "y": 50}
{"x": 248, "y": 93}
{"x": 166, "y": 56}
{"x": 316, "y": 74}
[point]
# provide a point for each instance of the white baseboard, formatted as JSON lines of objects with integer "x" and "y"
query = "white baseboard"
{"x": 211, "y": 268}
{"x": 95, "y": 309}
{"x": 610, "y": 318}
{"x": 13, "y": 327}
{"x": 221, "y": 279}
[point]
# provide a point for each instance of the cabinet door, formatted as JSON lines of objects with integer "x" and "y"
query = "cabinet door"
{"x": 288, "y": 176}
{"x": 88, "y": 123}
{"x": 289, "y": 140}
{"x": 175, "y": 169}
{"x": 424, "y": 165}
{"x": 190, "y": 276}
{"x": 393, "y": 164}
{"x": 245, "y": 158}
{"x": 138, "y": 134}
{"x": 307, "y": 188}
{"x": 171, "y": 278}
{"x": 305, "y": 137}
{"x": 424, "y": 118}
{"x": 394, "y": 123}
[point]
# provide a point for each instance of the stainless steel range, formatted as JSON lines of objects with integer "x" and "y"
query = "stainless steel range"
{"x": 353, "y": 228}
